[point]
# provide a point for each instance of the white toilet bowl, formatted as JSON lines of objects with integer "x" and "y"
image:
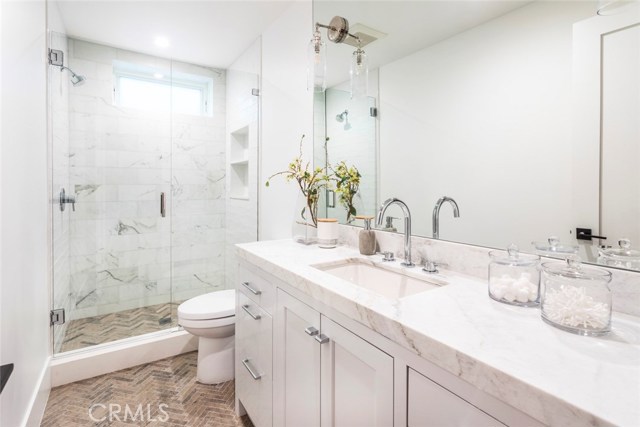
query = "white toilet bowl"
{"x": 211, "y": 317}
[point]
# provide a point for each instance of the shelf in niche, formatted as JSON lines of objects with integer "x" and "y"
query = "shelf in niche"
{"x": 239, "y": 164}
{"x": 239, "y": 145}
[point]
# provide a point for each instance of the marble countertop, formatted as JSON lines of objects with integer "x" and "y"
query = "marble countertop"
{"x": 558, "y": 378}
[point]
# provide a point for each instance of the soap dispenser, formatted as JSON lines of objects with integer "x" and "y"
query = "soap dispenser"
{"x": 389, "y": 226}
{"x": 367, "y": 237}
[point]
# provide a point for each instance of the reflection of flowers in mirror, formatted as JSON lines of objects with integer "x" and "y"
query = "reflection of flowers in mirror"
{"x": 347, "y": 180}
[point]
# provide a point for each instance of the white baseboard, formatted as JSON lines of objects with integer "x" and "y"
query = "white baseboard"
{"x": 40, "y": 396}
{"x": 103, "y": 359}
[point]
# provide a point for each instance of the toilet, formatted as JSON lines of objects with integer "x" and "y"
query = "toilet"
{"x": 211, "y": 317}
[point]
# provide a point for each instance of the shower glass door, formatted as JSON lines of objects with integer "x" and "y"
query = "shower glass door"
{"x": 111, "y": 154}
{"x": 158, "y": 162}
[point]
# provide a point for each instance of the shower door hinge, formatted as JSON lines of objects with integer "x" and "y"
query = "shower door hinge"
{"x": 373, "y": 112}
{"x": 56, "y": 57}
{"x": 57, "y": 316}
{"x": 255, "y": 92}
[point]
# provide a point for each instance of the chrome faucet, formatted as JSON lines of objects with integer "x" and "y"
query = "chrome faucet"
{"x": 407, "y": 226}
{"x": 435, "y": 219}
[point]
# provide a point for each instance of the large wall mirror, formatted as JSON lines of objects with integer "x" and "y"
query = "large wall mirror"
{"x": 527, "y": 114}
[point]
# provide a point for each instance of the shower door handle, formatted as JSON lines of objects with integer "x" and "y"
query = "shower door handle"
{"x": 163, "y": 210}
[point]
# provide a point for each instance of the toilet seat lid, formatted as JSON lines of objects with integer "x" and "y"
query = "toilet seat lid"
{"x": 214, "y": 305}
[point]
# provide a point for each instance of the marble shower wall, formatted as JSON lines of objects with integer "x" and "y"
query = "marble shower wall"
{"x": 59, "y": 164}
{"x": 123, "y": 254}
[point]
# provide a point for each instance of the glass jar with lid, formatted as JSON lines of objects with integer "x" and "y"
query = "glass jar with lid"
{"x": 553, "y": 248}
{"x": 514, "y": 277}
{"x": 622, "y": 256}
{"x": 576, "y": 298}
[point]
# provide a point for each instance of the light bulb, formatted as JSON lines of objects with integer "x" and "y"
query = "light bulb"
{"x": 359, "y": 73}
{"x": 317, "y": 64}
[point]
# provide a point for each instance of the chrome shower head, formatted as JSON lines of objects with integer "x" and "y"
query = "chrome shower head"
{"x": 342, "y": 116}
{"x": 76, "y": 79}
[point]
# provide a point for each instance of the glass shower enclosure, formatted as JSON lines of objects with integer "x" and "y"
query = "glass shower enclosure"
{"x": 153, "y": 166}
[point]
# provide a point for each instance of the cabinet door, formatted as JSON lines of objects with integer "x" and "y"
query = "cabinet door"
{"x": 357, "y": 380}
{"x": 297, "y": 363}
{"x": 253, "y": 360}
{"x": 430, "y": 404}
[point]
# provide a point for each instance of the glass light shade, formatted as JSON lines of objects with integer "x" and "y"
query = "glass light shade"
{"x": 317, "y": 64}
{"x": 359, "y": 74}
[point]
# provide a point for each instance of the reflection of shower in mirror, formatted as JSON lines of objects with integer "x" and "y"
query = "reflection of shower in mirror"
{"x": 344, "y": 117}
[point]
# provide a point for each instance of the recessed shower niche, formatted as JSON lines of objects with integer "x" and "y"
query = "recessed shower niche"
{"x": 239, "y": 162}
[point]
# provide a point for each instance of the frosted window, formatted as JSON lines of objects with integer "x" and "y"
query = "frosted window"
{"x": 143, "y": 93}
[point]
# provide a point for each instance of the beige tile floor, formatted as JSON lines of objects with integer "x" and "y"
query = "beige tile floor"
{"x": 89, "y": 331}
{"x": 169, "y": 382}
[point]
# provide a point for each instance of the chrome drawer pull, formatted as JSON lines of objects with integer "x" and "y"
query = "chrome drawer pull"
{"x": 322, "y": 338}
{"x": 255, "y": 376}
{"x": 253, "y": 291}
{"x": 255, "y": 316}
{"x": 311, "y": 331}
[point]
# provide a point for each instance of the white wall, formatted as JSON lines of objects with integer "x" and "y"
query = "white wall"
{"x": 287, "y": 113}
{"x": 241, "y": 219}
{"x": 484, "y": 117}
{"x": 24, "y": 198}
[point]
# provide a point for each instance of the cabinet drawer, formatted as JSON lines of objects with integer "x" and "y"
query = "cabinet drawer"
{"x": 254, "y": 360}
{"x": 429, "y": 404}
{"x": 256, "y": 288}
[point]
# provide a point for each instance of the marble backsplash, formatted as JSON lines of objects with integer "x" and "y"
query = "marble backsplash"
{"x": 474, "y": 261}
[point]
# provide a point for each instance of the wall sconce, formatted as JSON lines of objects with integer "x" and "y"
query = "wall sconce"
{"x": 337, "y": 32}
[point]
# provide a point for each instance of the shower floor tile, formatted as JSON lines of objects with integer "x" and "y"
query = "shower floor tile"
{"x": 89, "y": 331}
{"x": 162, "y": 393}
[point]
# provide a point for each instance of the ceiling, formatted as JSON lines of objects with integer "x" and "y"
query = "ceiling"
{"x": 215, "y": 33}
{"x": 212, "y": 33}
{"x": 409, "y": 25}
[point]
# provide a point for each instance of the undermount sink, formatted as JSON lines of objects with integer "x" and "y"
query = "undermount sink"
{"x": 386, "y": 281}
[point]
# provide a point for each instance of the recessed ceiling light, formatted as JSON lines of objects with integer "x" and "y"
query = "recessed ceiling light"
{"x": 158, "y": 75}
{"x": 162, "y": 41}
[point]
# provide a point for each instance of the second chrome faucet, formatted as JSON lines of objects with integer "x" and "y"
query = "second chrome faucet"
{"x": 435, "y": 219}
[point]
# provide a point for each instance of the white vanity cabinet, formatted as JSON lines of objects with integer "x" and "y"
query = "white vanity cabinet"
{"x": 356, "y": 380}
{"x": 430, "y": 404}
{"x": 254, "y": 347}
{"x": 325, "y": 375}
{"x": 300, "y": 363}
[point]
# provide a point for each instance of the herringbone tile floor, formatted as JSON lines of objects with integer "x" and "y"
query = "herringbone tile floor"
{"x": 89, "y": 331}
{"x": 162, "y": 393}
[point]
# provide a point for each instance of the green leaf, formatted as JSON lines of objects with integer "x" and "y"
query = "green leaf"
{"x": 302, "y": 213}
{"x": 266, "y": 184}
